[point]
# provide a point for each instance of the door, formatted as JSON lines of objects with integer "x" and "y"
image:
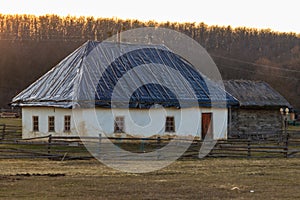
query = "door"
{"x": 206, "y": 126}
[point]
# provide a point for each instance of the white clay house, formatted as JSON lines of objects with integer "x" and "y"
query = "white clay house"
{"x": 110, "y": 88}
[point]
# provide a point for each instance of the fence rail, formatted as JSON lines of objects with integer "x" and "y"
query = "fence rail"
{"x": 72, "y": 147}
{"x": 10, "y": 132}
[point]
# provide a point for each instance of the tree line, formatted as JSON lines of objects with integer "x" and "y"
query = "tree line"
{"x": 30, "y": 45}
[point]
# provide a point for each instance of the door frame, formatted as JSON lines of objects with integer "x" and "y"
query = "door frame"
{"x": 209, "y": 131}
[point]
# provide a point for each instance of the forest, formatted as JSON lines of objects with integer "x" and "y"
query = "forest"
{"x": 31, "y": 45}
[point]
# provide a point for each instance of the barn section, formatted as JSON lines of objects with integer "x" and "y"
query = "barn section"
{"x": 259, "y": 107}
{"x": 90, "y": 91}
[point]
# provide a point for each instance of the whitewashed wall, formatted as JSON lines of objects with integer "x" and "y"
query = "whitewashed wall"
{"x": 43, "y": 113}
{"x": 138, "y": 122}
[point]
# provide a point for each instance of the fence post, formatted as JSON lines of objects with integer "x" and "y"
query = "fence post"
{"x": 249, "y": 147}
{"x": 49, "y": 144}
{"x": 158, "y": 140}
{"x": 142, "y": 146}
{"x": 99, "y": 145}
{"x": 158, "y": 150}
{"x": 286, "y": 148}
{"x": 3, "y": 131}
{"x": 279, "y": 137}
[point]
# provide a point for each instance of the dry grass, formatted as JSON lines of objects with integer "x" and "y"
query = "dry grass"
{"x": 294, "y": 128}
{"x": 193, "y": 179}
{"x": 198, "y": 179}
{"x": 11, "y": 121}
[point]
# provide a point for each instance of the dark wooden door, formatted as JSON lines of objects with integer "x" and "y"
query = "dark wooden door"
{"x": 206, "y": 125}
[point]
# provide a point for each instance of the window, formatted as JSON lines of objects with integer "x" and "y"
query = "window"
{"x": 51, "y": 127}
{"x": 170, "y": 124}
{"x": 67, "y": 127}
{"x": 119, "y": 125}
{"x": 35, "y": 123}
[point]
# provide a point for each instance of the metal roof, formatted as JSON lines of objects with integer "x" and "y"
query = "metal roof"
{"x": 108, "y": 74}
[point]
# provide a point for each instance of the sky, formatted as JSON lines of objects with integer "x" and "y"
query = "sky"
{"x": 277, "y": 15}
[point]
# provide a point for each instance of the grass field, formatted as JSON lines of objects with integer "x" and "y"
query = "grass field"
{"x": 11, "y": 121}
{"x": 197, "y": 179}
{"x": 294, "y": 128}
{"x": 219, "y": 178}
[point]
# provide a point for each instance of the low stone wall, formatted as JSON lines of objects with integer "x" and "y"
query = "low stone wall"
{"x": 254, "y": 120}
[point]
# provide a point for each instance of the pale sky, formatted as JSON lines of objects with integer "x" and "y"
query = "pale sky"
{"x": 277, "y": 15}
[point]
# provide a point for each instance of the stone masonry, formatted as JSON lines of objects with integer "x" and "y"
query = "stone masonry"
{"x": 247, "y": 121}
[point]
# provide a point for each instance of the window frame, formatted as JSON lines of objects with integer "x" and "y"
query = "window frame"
{"x": 51, "y": 124}
{"x": 170, "y": 124}
{"x": 119, "y": 124}
{"x": 35, "y": 123}
{"x": 67, "y": 123}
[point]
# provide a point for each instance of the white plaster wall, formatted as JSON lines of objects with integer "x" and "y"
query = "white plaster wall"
{"x": 138, "y": 122}
{"x": 43, "y": 113}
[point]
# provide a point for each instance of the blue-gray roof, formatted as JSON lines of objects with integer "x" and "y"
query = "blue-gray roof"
{"x": 109, "y": 74}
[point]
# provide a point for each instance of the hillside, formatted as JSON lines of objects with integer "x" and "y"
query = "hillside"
{"x": 30, "y": 46}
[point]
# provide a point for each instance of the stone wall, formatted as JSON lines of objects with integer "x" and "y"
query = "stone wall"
{"x": 254, "y": 120}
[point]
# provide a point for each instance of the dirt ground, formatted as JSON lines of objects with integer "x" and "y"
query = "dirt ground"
{"x": 194, "y": 179}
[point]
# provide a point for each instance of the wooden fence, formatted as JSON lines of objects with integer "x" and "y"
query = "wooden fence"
{"x": 10, "y": 132}
{"x": 263, "y": 145}
{"x": 281, "y": 145}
